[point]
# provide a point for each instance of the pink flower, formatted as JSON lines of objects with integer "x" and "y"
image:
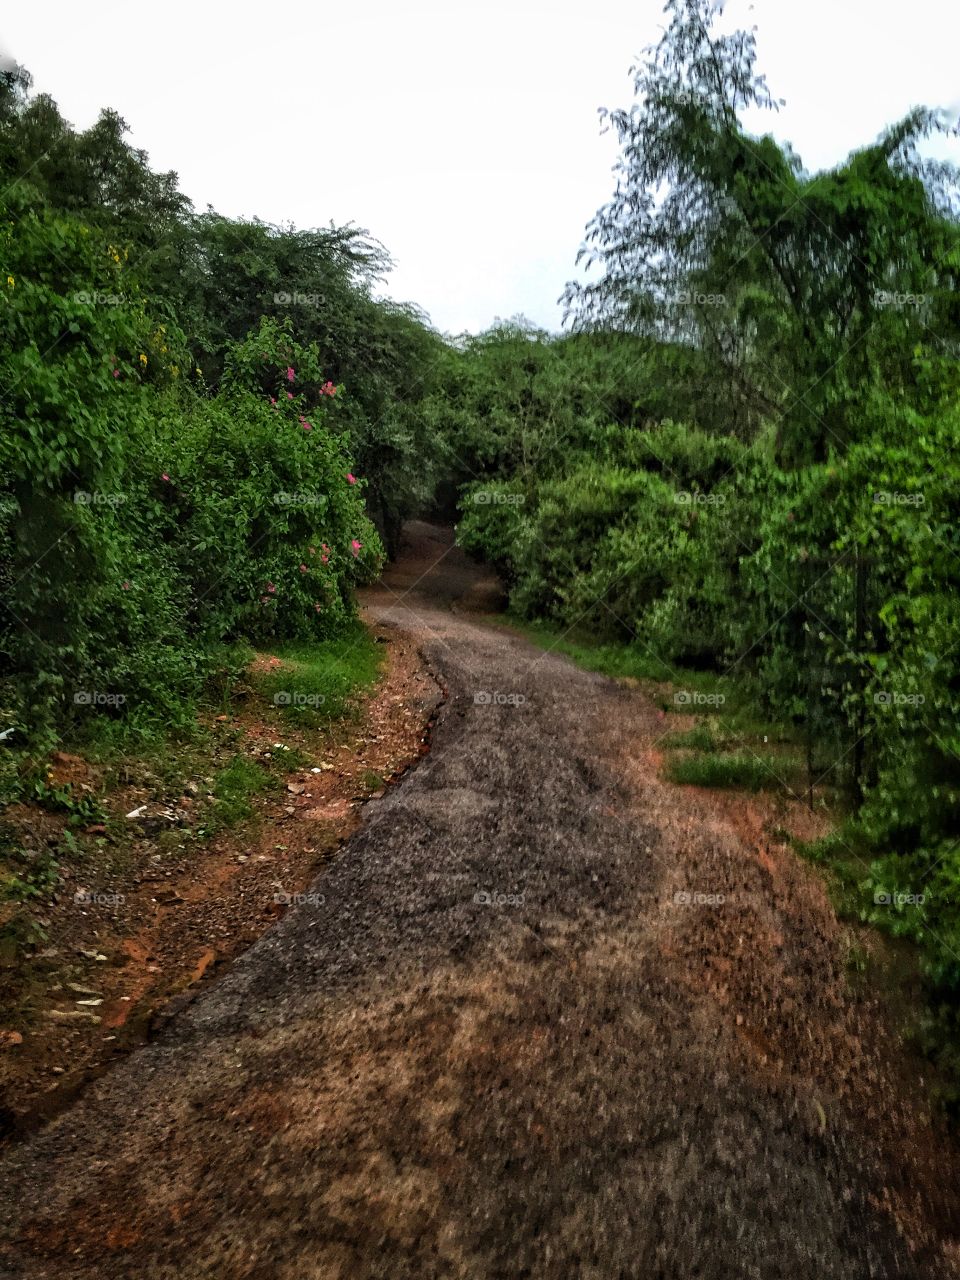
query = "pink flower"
{"x": 116, "y": 373}
{"x": 271, "y": 588}
{"x": 324, "y": 559}
{"x": 165, "y": 477}
{"x": 290, "y": 375}
{"x": 303, "y": 568}
{"x": 273, "y": 400}
{"x": 355, "y": 546}
{"x": 307, "y": 426}
{"x": 289, "y": 395}
{"x": 324, "y": 546}
{"x": 351, "y": 478}
{"x": 328, "y": 389}
{"x": 317, "y": 607}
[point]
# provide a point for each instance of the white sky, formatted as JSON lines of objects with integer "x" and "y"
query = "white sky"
{"x": 463, "y": 136}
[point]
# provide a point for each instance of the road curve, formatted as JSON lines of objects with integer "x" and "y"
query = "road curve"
{"x": 538, "y": 1021}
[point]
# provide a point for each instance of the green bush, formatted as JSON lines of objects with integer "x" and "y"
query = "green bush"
{"x": 144, "y": 523}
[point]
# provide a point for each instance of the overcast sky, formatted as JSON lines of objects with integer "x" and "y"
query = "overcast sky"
{"x": 464, "y": 136}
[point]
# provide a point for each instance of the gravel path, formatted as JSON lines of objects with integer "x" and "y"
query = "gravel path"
{"x": 543, "y": 1019}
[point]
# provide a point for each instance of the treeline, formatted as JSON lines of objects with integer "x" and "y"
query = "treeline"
{"x": 762, "y": 476}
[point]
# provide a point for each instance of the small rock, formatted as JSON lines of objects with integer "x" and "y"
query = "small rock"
{"x": 9, "y": 1038}
{"x": 167, "y": 897}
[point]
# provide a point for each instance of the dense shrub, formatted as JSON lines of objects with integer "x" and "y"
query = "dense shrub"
{"x": 146, "y": 523}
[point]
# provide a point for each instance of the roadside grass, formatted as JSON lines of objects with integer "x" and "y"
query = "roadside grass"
{"x": 729, "y": 746}
{"x": 236, "y": 786}
{"x": 620, "y": 661}
{"x": 320, "y": 681}
{"x": 701, "y": 738}
{"x": 886, "y": 953}
{"x": 322, "y": 684}
{"x": 740, "y": 770}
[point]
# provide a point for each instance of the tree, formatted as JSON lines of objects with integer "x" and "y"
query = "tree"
{"x": 788, "y": 283}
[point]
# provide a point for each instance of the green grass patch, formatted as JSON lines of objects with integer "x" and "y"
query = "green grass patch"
{"x": 236, "y": 785}
{"x": 633, "y": 662}
{"x": 321, "y": 680}
{"x": 700, "y": 738}
{"x": 742, "y": 771}
{"x": 617, "y": 660}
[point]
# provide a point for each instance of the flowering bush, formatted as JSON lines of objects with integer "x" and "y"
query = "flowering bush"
{"x": 144, "y": 524}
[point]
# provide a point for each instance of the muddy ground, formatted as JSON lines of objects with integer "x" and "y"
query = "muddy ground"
{"x": 545, "y": 1016}
{"x": 166, "y": 912}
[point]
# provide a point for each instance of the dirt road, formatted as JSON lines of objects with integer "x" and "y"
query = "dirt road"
{"x": 546, "y": 1016}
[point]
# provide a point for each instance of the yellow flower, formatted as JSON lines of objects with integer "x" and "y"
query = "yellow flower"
{"x": 11, "y": 283}
{"x": 143, "y": 359}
